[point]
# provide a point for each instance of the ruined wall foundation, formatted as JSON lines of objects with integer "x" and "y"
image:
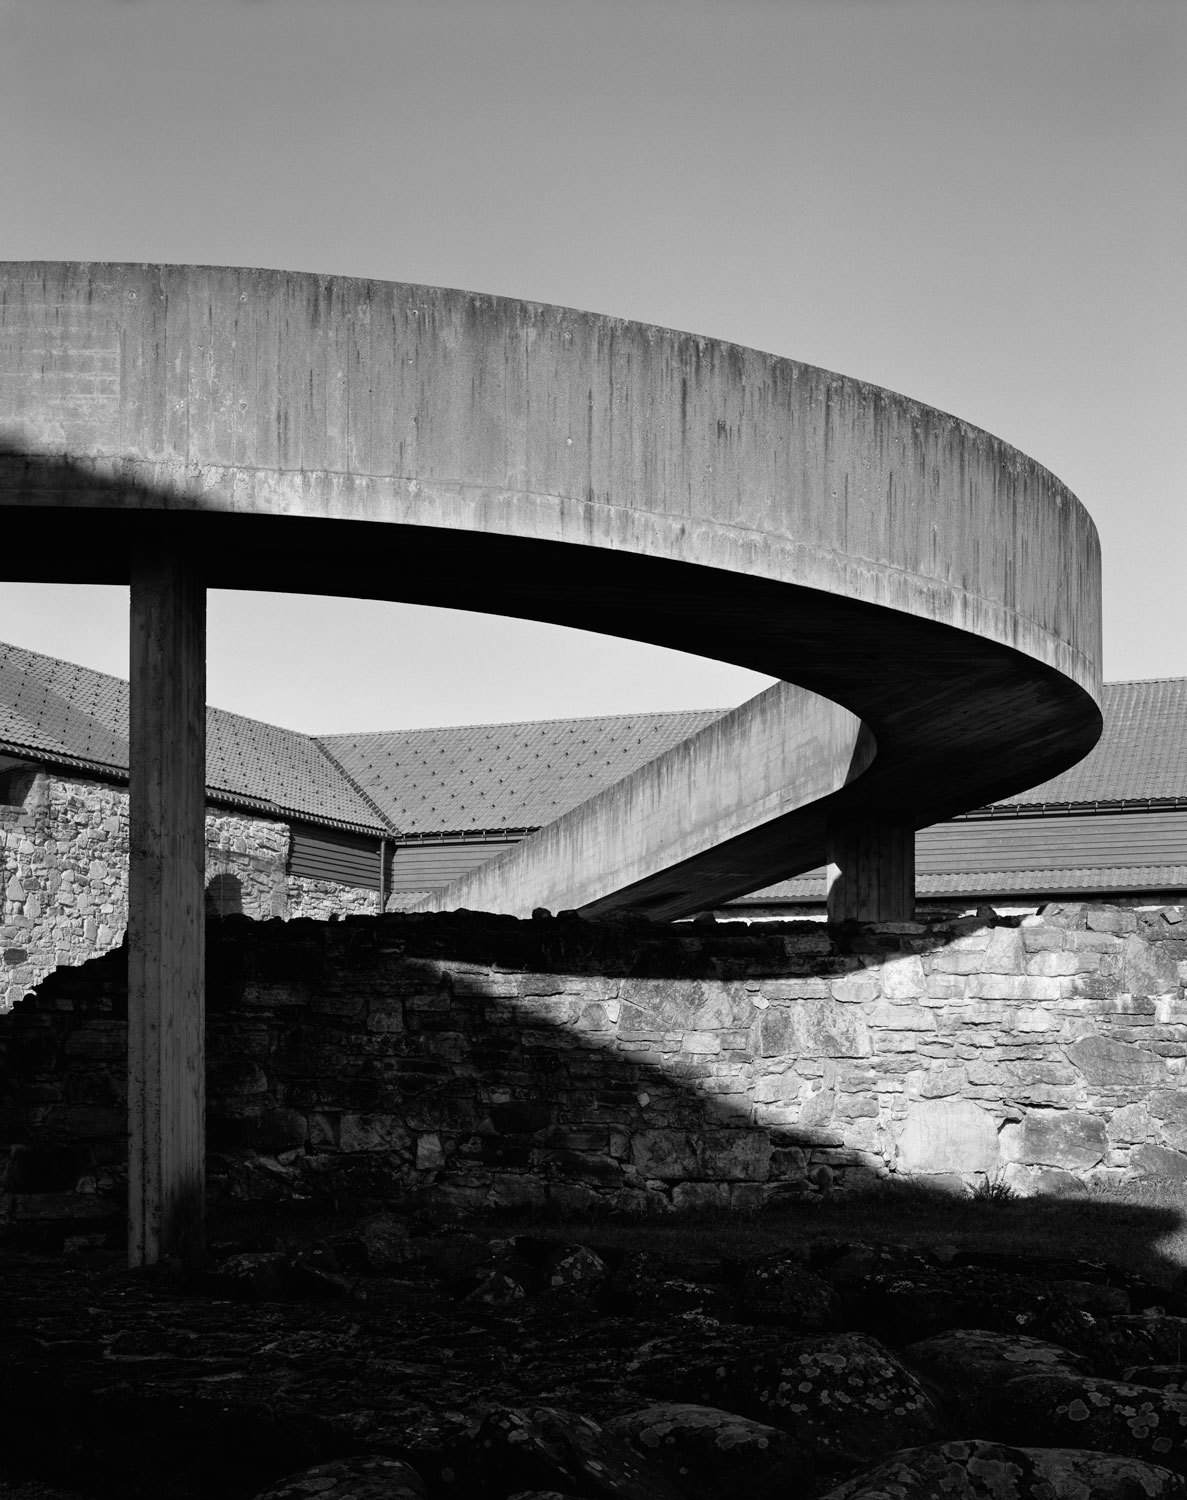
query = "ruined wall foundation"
{"x": 64, "y": 852}
{"x": 484, "y": 1061}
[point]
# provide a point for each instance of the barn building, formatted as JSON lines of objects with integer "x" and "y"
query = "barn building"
{"x": 298, "y": 825}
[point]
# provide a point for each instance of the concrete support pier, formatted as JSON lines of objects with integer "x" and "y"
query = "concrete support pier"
{"x": 166, "y": 926}
{"x": 871, "y": 870}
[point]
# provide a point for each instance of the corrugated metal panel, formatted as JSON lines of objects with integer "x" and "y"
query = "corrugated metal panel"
{"x": 428, "y": 866}
{"x": 1078, "y": 841}
{"x": 323, "y": 854}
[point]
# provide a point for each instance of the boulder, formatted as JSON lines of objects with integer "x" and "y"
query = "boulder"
{"x": 780, "y": 1288}
{"x": 1120, "y": 1343}
{"x": 495, "y": 1289}
{"x": 969, "y": 1364}
{"x": 844, "y": 1396}
{"x": 1113, "y": 1415}
{"x": 708, "y": 1453}
{"x": 978, "y": 1470}
{"x": 576, "y": 1271}
{"x": 367, "y": 1478}
{"x": 699, "y": 1365}
{"x": 385, "y": 1241}
{"x": 1162, "y": 1377}
{"x": 650, "y": 1285}
{"x": 544, "y": 1448}
{"x": 904, "y": 1308}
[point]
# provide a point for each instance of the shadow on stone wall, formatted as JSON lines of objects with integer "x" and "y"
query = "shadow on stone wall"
{"x": 466, "y": 1061}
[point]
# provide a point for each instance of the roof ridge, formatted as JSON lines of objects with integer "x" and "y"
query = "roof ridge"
{"x": 1138, "y": 681}
{"x": 354, "y": 785}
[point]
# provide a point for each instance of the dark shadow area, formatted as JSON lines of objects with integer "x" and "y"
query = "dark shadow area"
{"x": 224, "y": 896}
{"x": 414, "y": 1126}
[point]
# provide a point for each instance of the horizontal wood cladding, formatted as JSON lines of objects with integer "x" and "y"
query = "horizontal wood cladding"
{"x": 425, "y": 866}
{"x": 329, "y": 854}
{"x": 1077, "y": 841}
{"x": 353, "y": 859}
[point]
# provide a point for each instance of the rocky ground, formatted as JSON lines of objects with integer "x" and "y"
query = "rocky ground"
{"x": 396, "y": 1359}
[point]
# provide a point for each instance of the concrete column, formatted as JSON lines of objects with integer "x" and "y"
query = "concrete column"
{"x": 166, "y": 920}
{"x": 871, "y": 870}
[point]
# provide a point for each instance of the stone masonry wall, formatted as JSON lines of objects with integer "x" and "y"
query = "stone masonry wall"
{"x": 64, "y": 845}
{"x": 483, "y": 1061}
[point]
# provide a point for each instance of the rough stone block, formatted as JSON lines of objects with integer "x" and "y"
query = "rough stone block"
{"x": 1148, "y": 968}
{"x": 899, "y": 1017}
{"x": 734, "y": 1155}
{"x": 1111, "y": 1064}
{"x": 778, "y": 1088}
{"x": 1055, "y": 1138}
{"x": 700, "y": 1195}
{"x": 1131, "y": 1124}
{"x": 1041, "y": 1182}
{"x": 374, "y": 1132}
{"x": 955, "y": 961}
{"x": 947, "y": 1135}
{"x": 1052, "y": 964}
{"x": 854, "y": 989}
{"x": 1157, "y": 1161}
{"x": 1013, "y": 987}
{"x": 821, "y": 1028}
{"x": 665, "y": 1155}
{"x": 943, "y": 1082}
{"x": 706, "y": 1043}
{"x": 1110, "y": 919}
{"x": 1169, "y": 1108}
{"x": 902, "y": 978}
{"x": 1005, "y": 953}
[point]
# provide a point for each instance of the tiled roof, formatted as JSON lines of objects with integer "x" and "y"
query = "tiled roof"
{"x": 501, "y": 776}
{"x": 1142, "y": 751}
{"x": 71, "y": 715}
{"x": 999, "y": 883}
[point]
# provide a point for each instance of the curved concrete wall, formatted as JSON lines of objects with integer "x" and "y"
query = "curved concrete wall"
{"x": 360, "y": 437}
{"x": 291, "y": 394}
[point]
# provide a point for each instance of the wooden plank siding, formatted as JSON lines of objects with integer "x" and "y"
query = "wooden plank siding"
{"x": 427, "y": 866}
{"x": 1053, "y": 841}
{"x": 1154, "y": 839}
{"x": 353, "y": 859}
{"x": 330, "y": 854}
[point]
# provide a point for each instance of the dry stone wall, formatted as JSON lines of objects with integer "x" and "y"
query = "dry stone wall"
{"x": 64, "y": 844}
{"x": 483, "y": 1061}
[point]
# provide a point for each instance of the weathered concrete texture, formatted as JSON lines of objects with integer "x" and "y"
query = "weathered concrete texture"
{"x": 483, "y": 1061}
{"x": 166, "y": 908}
{"x": 365, "y": 438}
{"x": 64, "y": 854}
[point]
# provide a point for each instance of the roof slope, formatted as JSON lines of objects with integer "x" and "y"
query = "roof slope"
{"x": 483, "y": 777}
{"x": 70, "y": 715}
{"x": 1142, "y": 751}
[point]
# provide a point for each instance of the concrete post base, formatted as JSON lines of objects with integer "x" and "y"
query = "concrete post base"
{"x": 166, "y": 930}
{"x": 871, "y": 871}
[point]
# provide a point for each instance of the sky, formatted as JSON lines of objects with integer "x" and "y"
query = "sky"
{"x": 979, "y": 203}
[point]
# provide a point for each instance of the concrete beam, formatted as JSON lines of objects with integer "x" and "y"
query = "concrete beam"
{"x": 166, "y": 922}
{"x": 871, "y": 870}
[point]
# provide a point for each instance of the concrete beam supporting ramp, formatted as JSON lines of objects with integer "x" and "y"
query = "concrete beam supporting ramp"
{"x": 363, "y": 438}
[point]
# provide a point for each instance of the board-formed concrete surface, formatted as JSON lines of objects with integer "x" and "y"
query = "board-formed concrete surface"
{"x": 938, "y": 590}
